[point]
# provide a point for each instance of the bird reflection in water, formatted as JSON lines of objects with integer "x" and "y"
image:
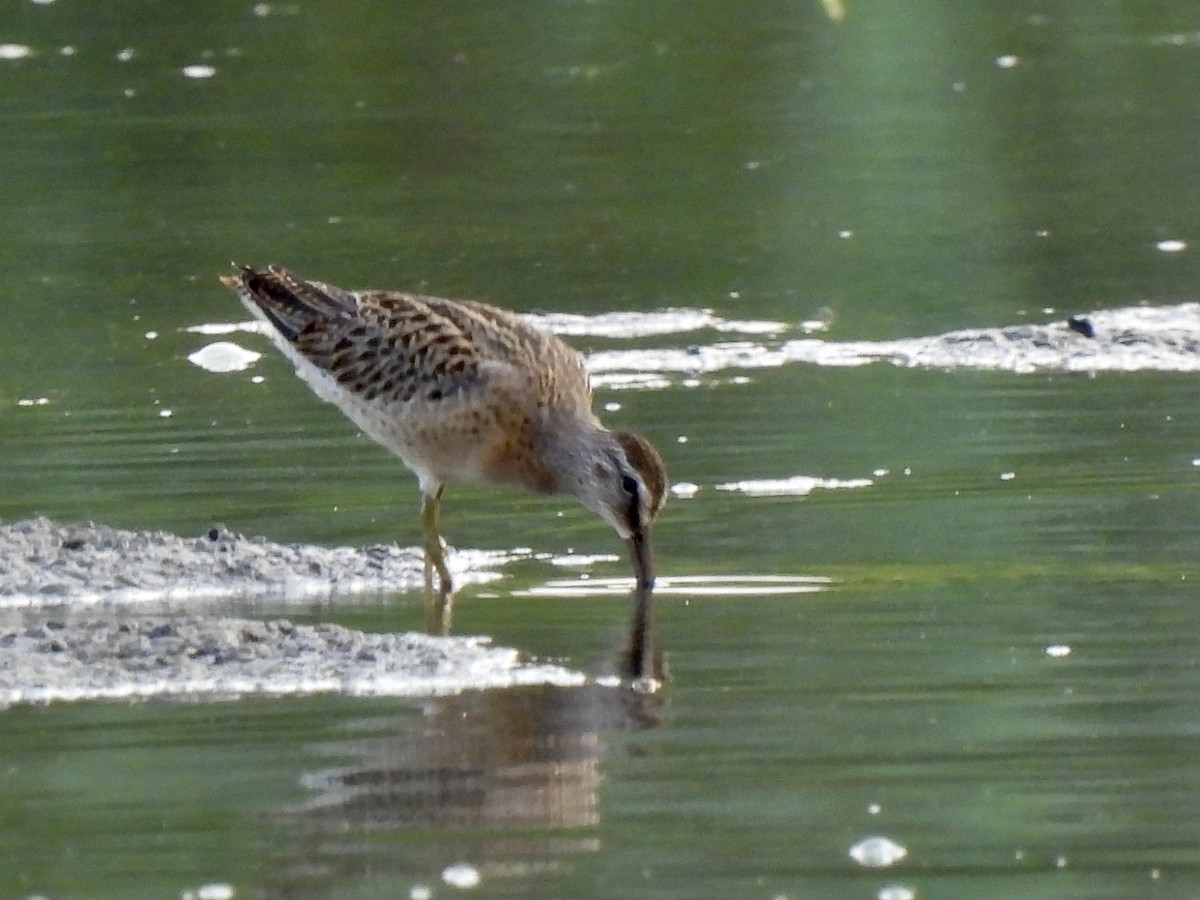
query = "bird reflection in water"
{"x": 516, "y": 774}
{"x": 641, "y": 660}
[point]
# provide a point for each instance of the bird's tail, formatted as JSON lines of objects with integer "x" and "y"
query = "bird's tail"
{"x": 288, "y": 301}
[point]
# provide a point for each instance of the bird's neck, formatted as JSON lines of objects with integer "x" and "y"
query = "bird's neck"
{"x": 547, "y": 457}
{"x": 565, "y": 453}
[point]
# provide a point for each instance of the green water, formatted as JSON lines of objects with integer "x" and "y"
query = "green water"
{"x": 753, "y": 158}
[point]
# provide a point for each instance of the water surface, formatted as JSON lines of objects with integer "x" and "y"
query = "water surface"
{"x": 997, "y": 672}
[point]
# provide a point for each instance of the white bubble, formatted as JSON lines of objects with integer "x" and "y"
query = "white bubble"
{"x": 15, "y": 51}
{"x": 685, "y": 489}
{"x": 1171, "y": 246}
{"x": 877, "y": 852}
{"x": 461, "y": 875}
{"x": 199, "y": 71}
{"x": 209, "y": 892}
{"x": 223, "y": 356}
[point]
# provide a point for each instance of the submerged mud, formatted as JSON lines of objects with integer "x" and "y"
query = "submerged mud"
{"x": 199, "y": 657}
{"x": 73, "y": 623}
{"x": 44, "y": 562}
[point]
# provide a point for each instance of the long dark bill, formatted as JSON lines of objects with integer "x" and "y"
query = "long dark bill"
{"x": 643, "y": 560}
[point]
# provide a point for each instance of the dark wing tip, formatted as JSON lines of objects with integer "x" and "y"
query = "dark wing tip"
{"x": 241, "y": 278}
{"x": 289, "y": 302}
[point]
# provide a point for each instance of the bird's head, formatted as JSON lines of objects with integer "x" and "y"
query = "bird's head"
{"x": 626, "y": 486}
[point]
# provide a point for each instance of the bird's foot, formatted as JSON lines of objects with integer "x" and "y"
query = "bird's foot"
{"x": 437, "y": 596}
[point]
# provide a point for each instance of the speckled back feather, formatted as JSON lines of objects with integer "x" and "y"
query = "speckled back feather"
{"x": 394, "y": 347}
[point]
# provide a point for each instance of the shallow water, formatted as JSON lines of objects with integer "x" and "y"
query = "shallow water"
{"x": 984, "y": 655}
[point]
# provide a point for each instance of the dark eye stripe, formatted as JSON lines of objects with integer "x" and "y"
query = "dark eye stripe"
{"x": 630, "y": 484}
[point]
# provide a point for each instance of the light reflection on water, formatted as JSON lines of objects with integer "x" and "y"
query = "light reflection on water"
{"x": 726, "y": 586}
{"x": 1165, "y": 339}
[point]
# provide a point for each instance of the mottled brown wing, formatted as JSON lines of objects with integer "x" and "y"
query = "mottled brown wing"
{"x": 554, "y": 369}
{"x": 393, "y": 346}
{"x": 394, "y": 349}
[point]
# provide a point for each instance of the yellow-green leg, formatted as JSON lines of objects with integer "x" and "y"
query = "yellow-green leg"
{"x": 437, "y": 601}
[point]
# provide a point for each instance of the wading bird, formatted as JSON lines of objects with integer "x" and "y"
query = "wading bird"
{"x": 462, "y": 391}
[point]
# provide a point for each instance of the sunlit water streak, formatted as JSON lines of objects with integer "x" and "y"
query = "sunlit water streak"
{"x": 1131, "y": 339}
{"x": 1165, "y": 339}
{"x": 693, "y": 585}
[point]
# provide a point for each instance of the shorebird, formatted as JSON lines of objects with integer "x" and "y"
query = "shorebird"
{"x": 462, "y": 391}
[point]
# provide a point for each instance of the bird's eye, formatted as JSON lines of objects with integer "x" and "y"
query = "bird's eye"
{"x": 629, "y": 484}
